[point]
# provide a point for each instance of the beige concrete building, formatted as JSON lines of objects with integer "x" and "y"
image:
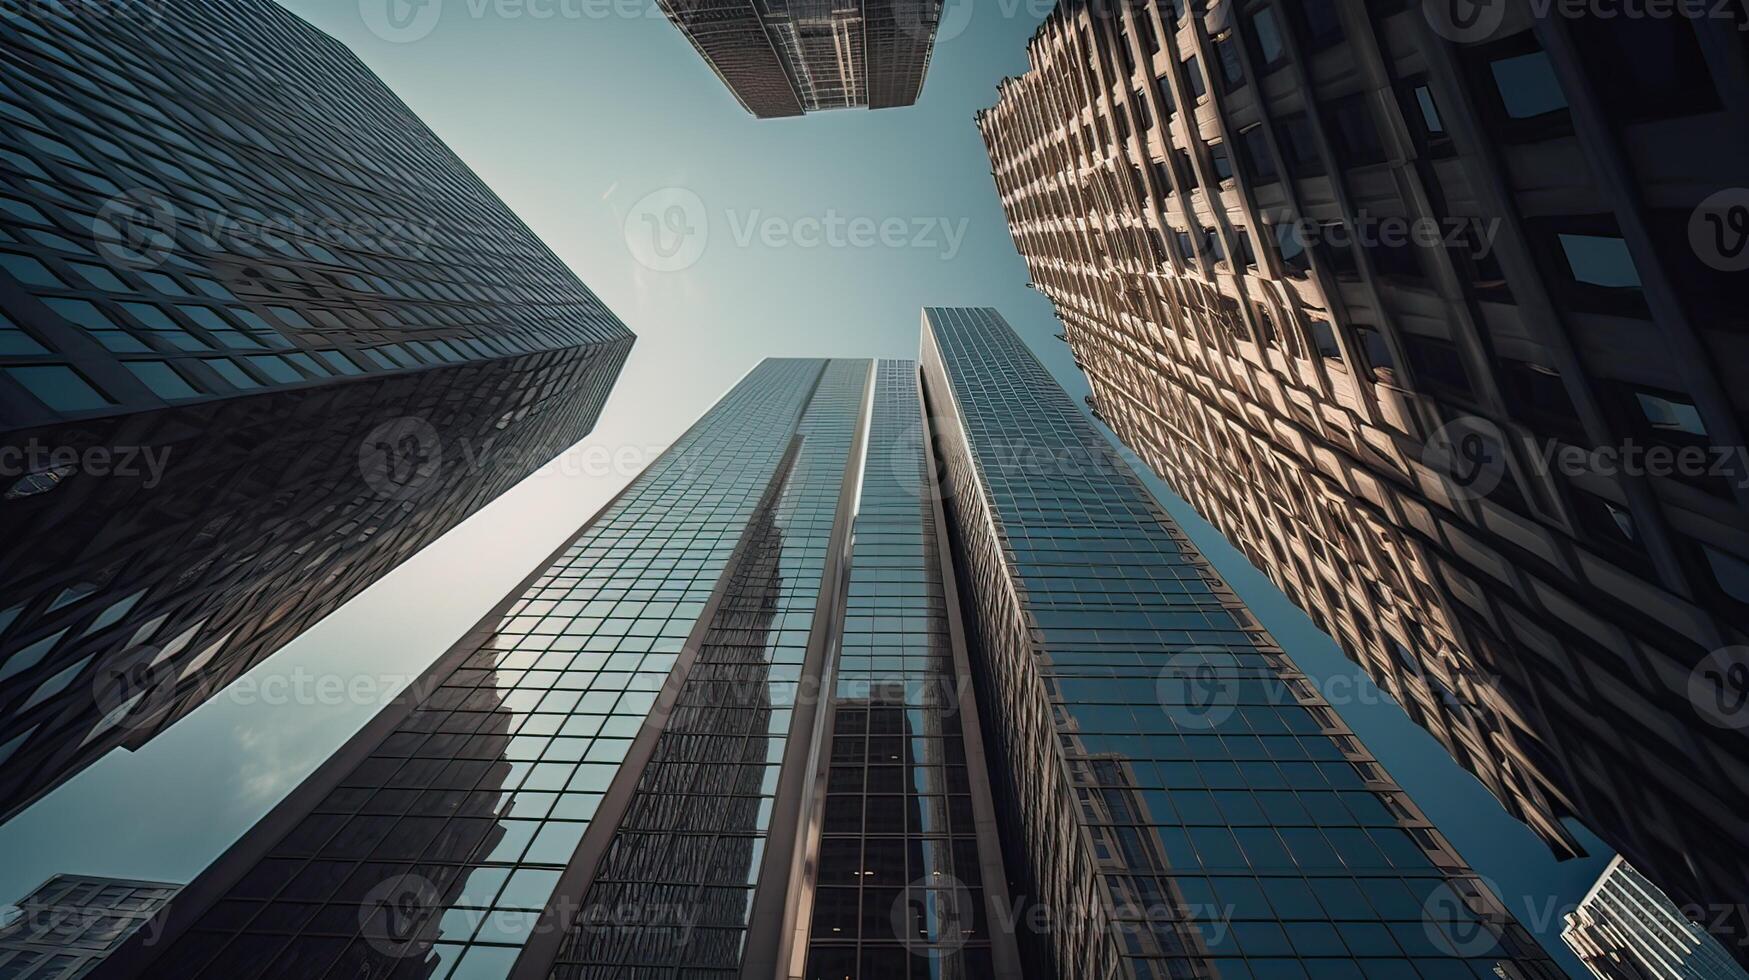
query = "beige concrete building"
{"x": 1432, "y": 317}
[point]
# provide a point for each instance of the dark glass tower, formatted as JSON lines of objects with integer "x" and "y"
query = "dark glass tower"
{"x": 786, "y": 58}
{"x": 1165, "y": 766}
{"x": 1434, "y": 310}
{"x": 733, "y": 730}
{"x": 262, "y": 337}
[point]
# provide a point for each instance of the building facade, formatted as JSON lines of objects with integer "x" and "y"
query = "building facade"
{"x": 1626, "y": 929}
{"x": 760, "y": 719}
{"x": 1424, "y": 313}
{"x": 64, "y": 928}
{"x": 262, "y": 337}
{"x": 789, "y": 57}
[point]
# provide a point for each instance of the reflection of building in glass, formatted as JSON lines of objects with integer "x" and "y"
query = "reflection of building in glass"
{"x": 900, "y": 874}
{"x": 629, "y": 768}
{"x": 262, "y": 337}
{"x": 1350, "y": 287}
{"x": 787, "y": 57}
{"x": 1626, "y": 929}
{"x": 1180, "y": 796}
{"x": 71, "y": 922}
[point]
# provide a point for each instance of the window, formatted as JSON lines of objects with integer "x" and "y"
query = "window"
{"x": 28, "y": 270}
{"x": 1298, "y": 148}
{"x": 58, "y": 387}
{"x": 1290, "y": 245}
{"x": 1319, "y": 23}
{"x": 1424, "y": 119}
{"x": 1670, "y": 413}
{"x": 1377, "y": 352}
{"x": 1646, "y": 68}
{"x": 1163, "y": 85}
{"x": 1324, "y": 341}
{"x": 232, "y": 373}
{"x": 16, "y": 341}
{"x": 1336, "y": 249}
{"x": 1255, "y": 156}
{"x": 1599, "y": 260}
{"x": 1608, "y": 525}
{"x": 276, "y": 369}
{"x": 1244, "y": 253}
{"x": 1522, "y": 97}
{"x": 1536, "y": 394}
{"x": 1527, "y": 86}
{"x": 1265, "y": 40}
{"x": 1232, "y": 70}
{"x": 1590, "y": 265}
{"x": 1223, "y": 165}
{"x": 1353, "y": 134}
{"x": 1437, "y": 362}
{"x": 1193, "y": 77}
{"x": 162, "y": 379}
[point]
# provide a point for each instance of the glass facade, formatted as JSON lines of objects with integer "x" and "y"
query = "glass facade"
{"x": 262, "y": 337}
{"x": 436, "y": 851}
{"x": 1183, "y": 799}
{"x": 900, "y": 880}
{"x": 855, "y": 683}
{"x": 690, "y": 852}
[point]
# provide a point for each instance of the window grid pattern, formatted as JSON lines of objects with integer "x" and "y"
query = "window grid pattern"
{"x": 227, "y": 248}
{"x": 436, "y": 853}
{"x": 1235, "y": 827}
{"x": 690, "y": 852}
{"x": 899, "y": 884}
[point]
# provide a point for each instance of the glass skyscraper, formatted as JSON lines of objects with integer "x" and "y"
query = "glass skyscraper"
{"x": 789, "y": 57}
{"x": 262, "y": 337}
{"x": 884, "y": 670}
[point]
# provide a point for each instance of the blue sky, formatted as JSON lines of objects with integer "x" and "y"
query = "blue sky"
{"x": 720, "y": 240}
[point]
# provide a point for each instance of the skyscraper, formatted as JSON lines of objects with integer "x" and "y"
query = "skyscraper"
{"x": 1424, "y": 312}
{"x": 64, "y": 928}
{"x": 785, "y": 58}
{"x": 1626, "y": 929}
{"x": 262, "y": 337}
{"x": 789, "y": 706}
